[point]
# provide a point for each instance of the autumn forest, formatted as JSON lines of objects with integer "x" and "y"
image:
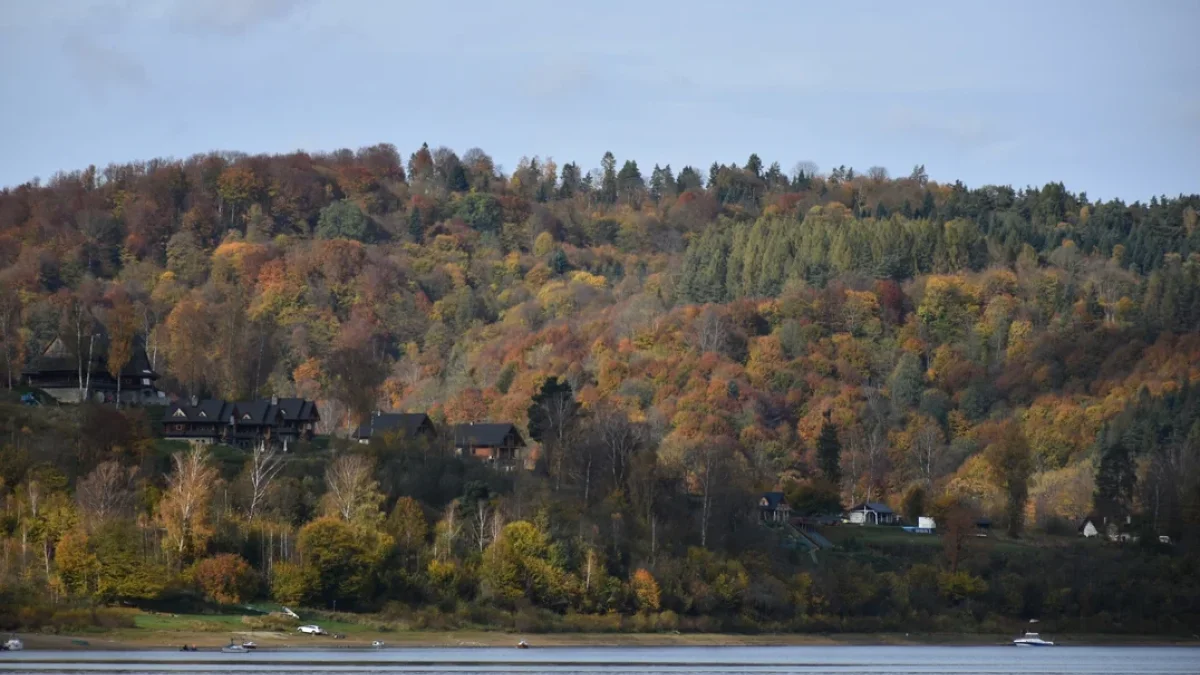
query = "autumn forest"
{"x": 672, "y": 343}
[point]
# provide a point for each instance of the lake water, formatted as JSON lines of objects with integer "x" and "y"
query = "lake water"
{"x": 609, "y": 660}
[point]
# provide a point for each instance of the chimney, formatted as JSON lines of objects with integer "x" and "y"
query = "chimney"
{"x": 274, "y": 399}
{"x": 194, "y": 400}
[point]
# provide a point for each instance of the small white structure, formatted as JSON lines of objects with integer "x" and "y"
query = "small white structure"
{"x": 1089, "y": 529}
{"x": 872, "y": 513}
{"x": 925, "y": 523}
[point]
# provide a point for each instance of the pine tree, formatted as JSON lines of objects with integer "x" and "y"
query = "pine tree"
{"x": 657, "y": 184}
{"x": 416, "y": 229}
{"x": 829, "y": 453}
{"x": 608, "y": 184}
{"x": 630, "y": 184}
{"x": 689, "y": 179}
{"x": 754, "y": 165}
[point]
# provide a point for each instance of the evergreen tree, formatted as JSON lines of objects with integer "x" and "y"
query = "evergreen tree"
{"x": 457, "y": 181}
{"x": 630, "y": 185}
{"x": 1115, "y": 481}
{"x": 558, "y": 261}
{"x": 829, "y": 453}
{"x": 754, "y": 166}
{"x": 657, "y": 184}
{"x": 416, "y": 228}
{"x": 608, "y": 184}
{"x": 689, "y": 179}
{"x": 570, "y": 184}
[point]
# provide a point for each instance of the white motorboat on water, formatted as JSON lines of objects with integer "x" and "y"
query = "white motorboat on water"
{"x": 12, "y": 645}
{"x": 377, "y": 643}
{"x": 233, "y": 648}
{"x": 1032, "y": 640}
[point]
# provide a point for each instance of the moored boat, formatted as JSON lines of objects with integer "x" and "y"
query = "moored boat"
{"x": 1032, "y": 640}
{"x": 12, "y": 645}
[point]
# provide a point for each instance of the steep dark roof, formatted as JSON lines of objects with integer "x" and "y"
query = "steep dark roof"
{"x": 485, "y": 435}
{"x": 408, "y": 424}
{"x": 873, "y": 506}
{"x": 298, "y": 410}
{"x": 208, "y": 411}
{"x": 260, "y": 411}
{"x": 774, "y": 500}
{"x": 58, "y": 357}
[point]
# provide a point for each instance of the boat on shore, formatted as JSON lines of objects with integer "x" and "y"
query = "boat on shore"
{"x": 234, "y": 648}
{"x": 12, "y": 645}
{"x": 1032, "y": 640}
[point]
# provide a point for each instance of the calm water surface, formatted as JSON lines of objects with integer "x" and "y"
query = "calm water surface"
{"x": 608, "y": 660}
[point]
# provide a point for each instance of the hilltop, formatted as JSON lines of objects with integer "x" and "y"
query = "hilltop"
{"x": 1026, "y": 355}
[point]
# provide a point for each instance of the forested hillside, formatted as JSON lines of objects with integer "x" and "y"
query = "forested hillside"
{"x": 1027, "y": 355}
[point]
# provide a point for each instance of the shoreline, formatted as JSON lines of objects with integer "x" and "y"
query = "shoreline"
{"x": 273, "y": 641}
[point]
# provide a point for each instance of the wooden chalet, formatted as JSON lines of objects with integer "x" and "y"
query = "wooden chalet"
{"x": 242, "y": 424}
{"x": 57, "y": 371}
{"x": 498, "y": 443}
{"x": 773, "y": 508}
{"x": 407, "y": 425}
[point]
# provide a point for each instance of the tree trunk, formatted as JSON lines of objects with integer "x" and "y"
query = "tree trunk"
{"x": 87, "y": 385}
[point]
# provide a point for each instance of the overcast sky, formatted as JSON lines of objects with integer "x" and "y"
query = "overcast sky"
{"x": 1099, "y": 94}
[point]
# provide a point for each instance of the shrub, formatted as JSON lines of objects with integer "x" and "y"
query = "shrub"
{"x": 275, "y": 622}
{"x": 226, "y": 578}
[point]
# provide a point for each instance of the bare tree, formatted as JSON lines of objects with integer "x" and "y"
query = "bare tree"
{"x": 552, "y": 418}
{"x": 709, "y": 461}
{"x": 447, "y": 532}
{"x": 265, "y": 465}
{"x": 183, "y": 511}
{"x": 877, "y": 173}
{"x": 712, "y": 331}
{"x": 482, "y": 521}
{"x": 928, "y": 448}
{"x": 352, "y": 492}
{"x": 10, "y": 334}
{"x": 806, "y": 167}
{"x": 106, "y": 492}
{"x": 620, "y": 439}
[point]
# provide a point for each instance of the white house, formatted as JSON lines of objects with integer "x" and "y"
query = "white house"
{"x": 871, "y": 513}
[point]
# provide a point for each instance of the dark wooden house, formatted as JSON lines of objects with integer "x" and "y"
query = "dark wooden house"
{"x": 498, "y": 443}
{"x": 773, "y": 508}
{"x": 59, "y": 372}
{"x": 242, "y": 424}
{"x": 408, "y": 425}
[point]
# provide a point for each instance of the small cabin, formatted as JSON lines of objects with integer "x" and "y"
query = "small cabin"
{"x": 773, "y": 508}
{"x": 497, "y": 443}
{"x": 872, "y": 513}
{"x": 407, "y": 425}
